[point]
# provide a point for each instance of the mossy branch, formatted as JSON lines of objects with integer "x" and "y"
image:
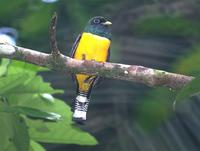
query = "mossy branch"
{"x": 133, "y": 73}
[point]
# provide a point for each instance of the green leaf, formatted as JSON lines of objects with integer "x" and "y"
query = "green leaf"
{"x": 22, "y": 67}
{"x": 4, "y": 66}
{"x": 14, "y": 134}
{"x": 28, "y": 99}
{"x": 35, "y": 85}
{"x": 34, "y": 146}
{"x": 62, "y": 131}
{"x": 31, "y": 112}
{"x": 38, "y": 113}
{"x": 29, "y": 90}
{"x": 189, "y": 90}
{"x": 21, "y": 84}
{"x": 11, "y": 83}
{"x": 47, "y": 97}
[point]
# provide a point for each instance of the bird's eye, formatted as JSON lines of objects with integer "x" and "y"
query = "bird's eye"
{"x": 96, "y": 21}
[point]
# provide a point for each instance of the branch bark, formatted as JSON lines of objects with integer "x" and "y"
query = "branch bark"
{"x": 133, "y": 73}
{"x": 53, "y": 42}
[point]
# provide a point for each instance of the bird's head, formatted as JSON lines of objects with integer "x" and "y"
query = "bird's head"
{"x": 99, "y": 26}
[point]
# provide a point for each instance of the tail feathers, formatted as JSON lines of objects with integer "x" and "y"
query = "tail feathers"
{"x": 80, "y": 107}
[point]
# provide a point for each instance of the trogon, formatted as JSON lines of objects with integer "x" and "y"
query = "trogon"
{"x": 92, "y": 44}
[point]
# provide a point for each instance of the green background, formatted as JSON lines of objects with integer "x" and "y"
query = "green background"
{"x": 123, "y": 116}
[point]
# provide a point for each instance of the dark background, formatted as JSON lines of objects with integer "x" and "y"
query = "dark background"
{"x": 123, "y": 116}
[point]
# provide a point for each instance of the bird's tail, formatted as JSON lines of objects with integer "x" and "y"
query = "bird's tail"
{"x": 80, "y": 107}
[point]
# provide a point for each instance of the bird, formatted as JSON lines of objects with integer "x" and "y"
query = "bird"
{"x": 92, "y": 44}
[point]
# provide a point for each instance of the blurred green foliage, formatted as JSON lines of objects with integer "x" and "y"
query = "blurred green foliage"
{"x": 188, "y": 90}
{"x": 31, "y": 18}
{"x": 7, "y": 9}
{"x": 158, "y": 104}
{"x": 167, "y": 26}
{"x": 36, "y": 22}
{"x": 189, "y": 63}
{"x": 27, "y": 107}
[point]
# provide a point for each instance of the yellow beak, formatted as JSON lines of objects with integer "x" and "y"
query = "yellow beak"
{"x": 107, "y": 23}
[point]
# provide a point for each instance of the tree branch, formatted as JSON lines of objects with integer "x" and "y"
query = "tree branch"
{"x": 53, "y": 42}
{"x": 133, "y": 73}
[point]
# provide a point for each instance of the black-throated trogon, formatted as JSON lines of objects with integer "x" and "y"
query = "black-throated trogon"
{"x": 92, "y": 44}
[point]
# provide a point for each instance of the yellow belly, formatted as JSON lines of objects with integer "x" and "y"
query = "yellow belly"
{"x": 93, "y": 47}
{"x": 90, "y": 47}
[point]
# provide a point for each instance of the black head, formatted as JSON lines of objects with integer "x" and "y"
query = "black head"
{"x": 99, "y": 26}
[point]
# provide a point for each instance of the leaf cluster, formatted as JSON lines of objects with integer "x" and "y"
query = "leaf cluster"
{"x": 29, "y": 113}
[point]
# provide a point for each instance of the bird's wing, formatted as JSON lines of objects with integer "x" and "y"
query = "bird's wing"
{"x": 108, "y": 56}
{"x": 73, "y": 50}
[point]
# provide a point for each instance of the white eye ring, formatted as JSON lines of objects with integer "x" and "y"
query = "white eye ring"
{"x": 96, "y": 21}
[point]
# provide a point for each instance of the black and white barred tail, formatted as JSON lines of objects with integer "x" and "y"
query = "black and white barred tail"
{"x": 80, "y": 107}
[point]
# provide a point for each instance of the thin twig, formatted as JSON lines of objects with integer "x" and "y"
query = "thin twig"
{"x": 53, "y": 42}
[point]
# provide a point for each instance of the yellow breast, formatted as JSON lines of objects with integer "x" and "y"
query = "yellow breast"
{"x": 92, "y": 47}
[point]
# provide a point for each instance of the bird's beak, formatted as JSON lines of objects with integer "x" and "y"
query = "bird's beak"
{"x": 107, "y": 23}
